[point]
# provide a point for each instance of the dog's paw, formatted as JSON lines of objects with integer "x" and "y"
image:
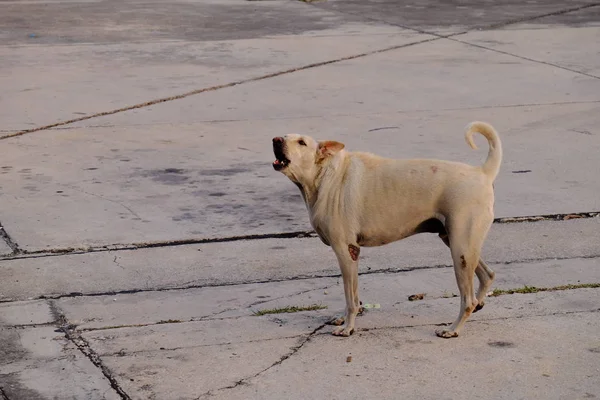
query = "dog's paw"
{"x": 337, "y": 321}
{"x": 343, "y": 331}
{"x": 479, "y": 306}
{"x": 446, "y": 334}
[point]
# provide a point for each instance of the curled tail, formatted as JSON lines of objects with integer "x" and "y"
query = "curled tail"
{"x": 491, "y": 166}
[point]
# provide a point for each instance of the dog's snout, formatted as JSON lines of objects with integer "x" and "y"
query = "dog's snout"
{"x": 277, "y": 140}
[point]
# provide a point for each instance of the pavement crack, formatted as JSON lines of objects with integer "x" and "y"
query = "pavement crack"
{"x": 289, "y": 295}
{"x": 532, "y": 18}
{"x": 105, "y": 198}
{"x": 479, "y": 321}
{"x": 210, "y": 317}
{"x": 117, "y": 263}
{"x": 534, "y": 289}
{"x": 490, "y": 26}
{"x": 122, "y": 353}
{"x": 340, "y": 114}
{"x": 3, "y": 395}
{"x": 22, "y": 254}
{"x": 84, "y": 347}
{"x": 149, "y": 245}
{"x": 9, "y": 241}
{"x": 548, "y": 217}
{"x": 216, "y": 87}
{"x": 294, "y": 350}
{"x": 289, "y": 279}
{"x": 524, "y": 58}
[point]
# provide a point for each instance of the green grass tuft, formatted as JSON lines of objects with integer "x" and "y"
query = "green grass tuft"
{"x": 289, "y": 309}
{"x": 533, "y": 289}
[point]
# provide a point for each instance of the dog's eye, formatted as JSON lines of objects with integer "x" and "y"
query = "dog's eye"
{"x": 301, "y": 142}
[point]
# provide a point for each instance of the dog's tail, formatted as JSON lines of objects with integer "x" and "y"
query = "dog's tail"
{"x": 491, "y": 166}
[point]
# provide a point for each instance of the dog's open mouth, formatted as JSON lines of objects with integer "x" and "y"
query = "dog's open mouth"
{"x": 281, "y": 161}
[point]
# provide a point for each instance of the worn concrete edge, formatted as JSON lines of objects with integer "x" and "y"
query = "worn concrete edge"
{"x": 19, "y": 253}
{"x": 83, "y": 346}
{"x": 214, "y": 88}
{"x": 214, "y": 316}
{"x": 491, "y": 26}
{"x": 199, "y": 284}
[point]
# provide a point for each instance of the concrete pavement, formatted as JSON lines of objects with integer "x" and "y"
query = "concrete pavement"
{"x": 143, "y": 226}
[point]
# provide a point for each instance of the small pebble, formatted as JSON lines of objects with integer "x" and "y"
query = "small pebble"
{"x": 349, "y": 359}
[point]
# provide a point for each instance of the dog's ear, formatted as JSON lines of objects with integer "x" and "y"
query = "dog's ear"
{"x": 329, "y": 148}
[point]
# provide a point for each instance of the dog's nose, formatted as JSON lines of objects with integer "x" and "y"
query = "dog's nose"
{"x": 277, "y": 140}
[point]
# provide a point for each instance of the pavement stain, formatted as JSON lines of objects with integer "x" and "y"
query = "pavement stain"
{"x": 12, "y": 351}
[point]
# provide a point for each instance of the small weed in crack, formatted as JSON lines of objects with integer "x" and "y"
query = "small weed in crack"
{"x": 289, "y": 309}
{"x": 169, "y": 321}
{"x": 533, "y": 289}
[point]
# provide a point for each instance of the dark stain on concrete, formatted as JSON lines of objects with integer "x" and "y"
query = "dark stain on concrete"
{"x": 224, "y": 171}
{"x": 186, "y": 216}
{"x": 168, "y": 176}
{"x": 11, "y": 351}
{"x": 501, "y": 344}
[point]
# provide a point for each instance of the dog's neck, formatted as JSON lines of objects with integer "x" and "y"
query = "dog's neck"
{"x": 309, "y": 194}
{"x": 313, "y": 191}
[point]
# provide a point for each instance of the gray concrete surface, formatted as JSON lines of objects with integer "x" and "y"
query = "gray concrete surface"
{"x": 163, "y": 182}
{"x": 99, "y": 301}
{"x": 211, "y": 264}
{"x": 4, "y": 248}
{"x": 40, "y": 363}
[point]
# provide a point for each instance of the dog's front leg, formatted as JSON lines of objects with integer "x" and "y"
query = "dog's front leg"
{"x": 347, "y": 256}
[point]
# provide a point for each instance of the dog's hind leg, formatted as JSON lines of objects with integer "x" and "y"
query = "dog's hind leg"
{"x": 486, "y": 278}
{"x": 466, "y": 236}
{"x": 484, "y": 273}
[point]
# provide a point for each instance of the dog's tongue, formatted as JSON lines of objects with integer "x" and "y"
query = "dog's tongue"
{"x": 276, "y": 162}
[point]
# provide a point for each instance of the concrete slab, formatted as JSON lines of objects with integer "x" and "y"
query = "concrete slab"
{"x": 44, "y": 84}
{"x": 275, "y": 259}
{"x": 200, "y": 168}
{"x": 533, "y": 358}
{"x": 110, "y": 185}
{"x": 585, "y": 17}
{"x": 445, "y": 17}
{"x": 179, "y": 350}
{"x": 188, "y": 368}
{"x": 436, "y": 75}
{"x": 68, "y": 22}
{"x": 550, "y": 46}
{"x": 26, "y": 313}
{"x": 39, "y": 363}
{"x": 389, "y": 290}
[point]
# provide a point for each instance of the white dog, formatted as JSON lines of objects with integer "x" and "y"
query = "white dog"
{"x": 359, "y": 199}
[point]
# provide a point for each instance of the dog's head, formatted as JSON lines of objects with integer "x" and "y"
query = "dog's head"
{"x": 300, "y": 158}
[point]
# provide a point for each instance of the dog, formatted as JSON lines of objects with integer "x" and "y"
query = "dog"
{"x": 359, "y": 199}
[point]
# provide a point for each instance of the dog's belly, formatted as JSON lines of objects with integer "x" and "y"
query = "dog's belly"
{"x": 376, "y": 237}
